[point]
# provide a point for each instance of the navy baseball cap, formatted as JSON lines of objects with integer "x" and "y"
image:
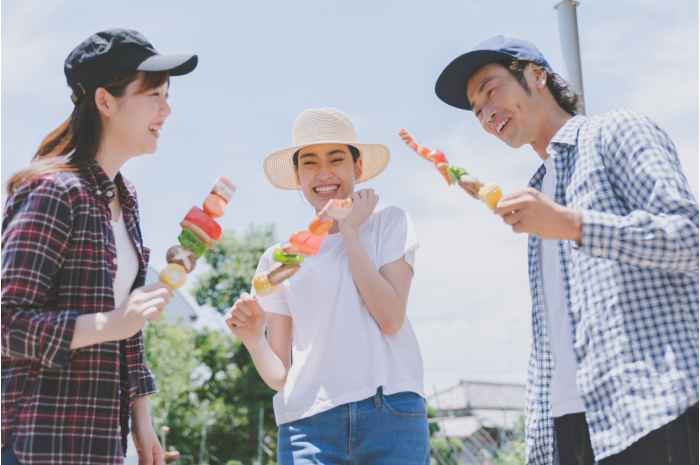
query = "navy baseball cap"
{"x": 451, "y": 85}
{"x": 106, "y": 54}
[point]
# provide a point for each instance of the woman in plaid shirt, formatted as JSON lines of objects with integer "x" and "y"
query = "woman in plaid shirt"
{"x": 73, "y": 266}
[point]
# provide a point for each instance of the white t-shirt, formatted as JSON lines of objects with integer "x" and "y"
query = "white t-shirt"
{"x": 339, "y": 355}
{"x": 127, "y": 262}
{"x": 127, "y": 270}
{"x": 564, "y": 395}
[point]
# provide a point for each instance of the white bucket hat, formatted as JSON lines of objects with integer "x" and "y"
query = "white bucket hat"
{"x": 322, "y": 126}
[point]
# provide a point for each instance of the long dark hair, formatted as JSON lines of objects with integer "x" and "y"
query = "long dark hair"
{"x": 74, "y": 143}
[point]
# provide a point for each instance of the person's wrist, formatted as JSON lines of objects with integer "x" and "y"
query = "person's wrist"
{"x": 347, "y": 230}
{"x": 110, "y": 324}
{"x": 256, "y": 342}
{"x": 575, "y": 225}
{"x": 123, "y": 324}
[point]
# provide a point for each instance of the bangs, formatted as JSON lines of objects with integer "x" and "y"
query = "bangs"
{"x": 153, "y": 79}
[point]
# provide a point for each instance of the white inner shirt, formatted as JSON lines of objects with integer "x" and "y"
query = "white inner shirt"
{"x": 127, "y": 262}
{"x": 565, "y": 398}
{"x": 339, "y": 355}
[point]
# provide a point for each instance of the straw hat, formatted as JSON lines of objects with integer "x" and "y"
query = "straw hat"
{"x": 322, "y": 126}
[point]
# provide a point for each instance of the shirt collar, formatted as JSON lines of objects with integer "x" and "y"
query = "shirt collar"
{"x": 104, "y": 188}
{"x": 564, "y": 139}
{"x": 567, "y": 135}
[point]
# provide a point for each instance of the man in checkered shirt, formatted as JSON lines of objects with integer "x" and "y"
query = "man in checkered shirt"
{"x": 613, "y": 265}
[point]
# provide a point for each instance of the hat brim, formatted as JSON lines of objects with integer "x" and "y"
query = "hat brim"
{"x": 451, "y": 85}
{"x": 279, "y": 167}
{"x": 175, "y": 65}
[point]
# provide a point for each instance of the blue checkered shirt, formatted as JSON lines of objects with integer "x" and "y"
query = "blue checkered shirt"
{"x": 631, "y": 284}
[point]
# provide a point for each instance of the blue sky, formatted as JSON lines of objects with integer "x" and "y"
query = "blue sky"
{"x": 262, "y": 63}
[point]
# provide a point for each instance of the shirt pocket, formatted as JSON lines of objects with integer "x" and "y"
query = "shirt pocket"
{"x": 591, "y": 189}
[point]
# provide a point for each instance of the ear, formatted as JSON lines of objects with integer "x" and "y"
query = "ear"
{"x": 358, "y": 169}
{"x": 540, "y": 77}
{"x": 105, "y": 102}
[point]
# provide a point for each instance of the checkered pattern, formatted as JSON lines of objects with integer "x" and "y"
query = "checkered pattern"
{"x": 631, "y": 283}
{"x": 62, "y": 406}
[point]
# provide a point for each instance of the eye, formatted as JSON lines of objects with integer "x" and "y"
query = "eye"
{"x": 337, "y": 160}
{"x": 309, "y": 162}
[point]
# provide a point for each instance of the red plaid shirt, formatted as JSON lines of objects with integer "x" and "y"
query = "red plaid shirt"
{"x": 58, "y": 262}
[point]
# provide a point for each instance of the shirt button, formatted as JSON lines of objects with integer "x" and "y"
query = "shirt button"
{"x": 99, "y": 192}
{"x": 109, "y": 194}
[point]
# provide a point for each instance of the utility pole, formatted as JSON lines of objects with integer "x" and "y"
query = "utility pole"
{"x": 570, "y": 47}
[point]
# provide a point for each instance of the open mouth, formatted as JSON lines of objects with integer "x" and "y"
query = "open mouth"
{"x": 503, "y": 125}
{"x": 327, "y": 189}
{"x": 155, "y": 130}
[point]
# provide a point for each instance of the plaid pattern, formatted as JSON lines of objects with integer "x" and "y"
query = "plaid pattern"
{"x": 64, "y": 406}
{"x": 631, "y": 284}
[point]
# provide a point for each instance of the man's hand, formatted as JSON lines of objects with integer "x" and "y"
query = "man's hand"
{"x": 470, "y": 185}
{"x": 532, "y": 212}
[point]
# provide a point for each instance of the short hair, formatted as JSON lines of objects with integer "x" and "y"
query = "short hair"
{"x": 353, "y": 151}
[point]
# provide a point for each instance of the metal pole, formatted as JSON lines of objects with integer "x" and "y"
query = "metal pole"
{"x": 164, "y": 430}
{"x": 571, "y": 50}
{"x": 261, "y": 412}
{"x": 203, "y": 445}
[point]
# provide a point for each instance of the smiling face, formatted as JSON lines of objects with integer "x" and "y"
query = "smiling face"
{"x": 138, "y": 116}
{"x": 503, "y": 106}
{"x": 327, "y": 171}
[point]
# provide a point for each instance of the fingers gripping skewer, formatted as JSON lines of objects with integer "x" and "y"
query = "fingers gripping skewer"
{"x": 301, "y": 244}
{"x": 490, "y": 194}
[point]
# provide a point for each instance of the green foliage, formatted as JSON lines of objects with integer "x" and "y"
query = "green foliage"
{"x": 210, "y": 395}
{"x": 445, "y": 450}
{"x": 233, "y": 261}
{"x": 513, "y": 453}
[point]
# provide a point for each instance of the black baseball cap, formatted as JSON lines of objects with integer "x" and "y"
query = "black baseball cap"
{"x": 105, "y": 54}
{"x": 451, "y": 85}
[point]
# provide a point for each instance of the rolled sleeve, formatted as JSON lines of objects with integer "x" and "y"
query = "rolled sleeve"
{"x": 36, "y": 232}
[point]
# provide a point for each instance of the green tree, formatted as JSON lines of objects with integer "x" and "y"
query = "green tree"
{"x": 210, "y": 393}
{"x": 232, "y": 263}
{"x": 444, "y": 450}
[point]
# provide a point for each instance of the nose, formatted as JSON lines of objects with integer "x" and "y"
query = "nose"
{"x": 324, "y": 172}
{"x": 165, "y": 109}
{"x": 488, "y": 114}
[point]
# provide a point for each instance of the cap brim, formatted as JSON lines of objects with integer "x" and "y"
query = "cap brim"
{"x": 451, "y": 85}
{"x": 176, "y": 65}
{"x": 279, "y": 167}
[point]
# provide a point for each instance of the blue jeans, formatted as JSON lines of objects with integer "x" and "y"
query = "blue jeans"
{"x": 381, "y": 430}
{"x": 9, "y": 457}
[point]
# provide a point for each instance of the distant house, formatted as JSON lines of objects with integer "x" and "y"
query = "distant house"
{"x": 184, "y": 310}
{"x": 481, "y": 414}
